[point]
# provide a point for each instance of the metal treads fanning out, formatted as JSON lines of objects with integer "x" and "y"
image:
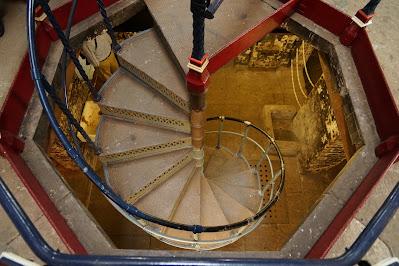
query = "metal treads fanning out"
{"x": 146, "y": 151}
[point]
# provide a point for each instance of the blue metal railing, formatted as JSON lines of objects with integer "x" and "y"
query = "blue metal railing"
{"x": 49, "y": 255}
{"x": 40, "y": 247}
{"x": 371, "y": 6}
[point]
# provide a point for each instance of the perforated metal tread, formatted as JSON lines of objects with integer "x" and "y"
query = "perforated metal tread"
{"x": 121, "y": 140}
{"x": 189, "y": 209}
{"x": 125, "y": 97}
{"x": 232, "y": 19}
{"x": 145, "y": 56}
{"x": 128, "y": 178}
{"x": 233, "y": 210}
{"x": 160, "y": 201}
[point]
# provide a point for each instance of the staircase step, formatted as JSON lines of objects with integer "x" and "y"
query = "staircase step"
{"x": 211, "y": 213}
{"x": 161, "y": 200}
{"x": 127, "y": 98}
{"x": 242, "y": 179}
{"x": 247, "y": 197}
{"x": 145, "y": 56}
{"x": 129, "y": 178}
{"x": 123, "y": 141}
{"x": 189, "y": 209}
{"x": 159, "y": 180}
{"x": 174, "y": 19}
{"x": 236, "y": 171}
{"x": 216, "y": 160}
{"x": 232, "y": 209}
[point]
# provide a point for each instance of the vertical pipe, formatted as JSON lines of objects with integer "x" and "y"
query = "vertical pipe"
{"x": 115, "y": 45}
{"x": 220, "y": 129}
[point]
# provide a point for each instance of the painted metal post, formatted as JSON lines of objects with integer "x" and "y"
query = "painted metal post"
{"x": 362, "y": 19}
{"x": 198, "y": 75}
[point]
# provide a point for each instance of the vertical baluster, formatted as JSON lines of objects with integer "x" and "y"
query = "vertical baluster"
{"x": 51, "y": 91}
{"x": 257, "y": 170}
{"x": 244, "y": 137}
{"x": 221, "y": 125}
{"x": 69, "y": 49}
{"x": 268, "y": 148}
{"x": 262, "y": 157}
{"x": 115, "y": 45}
{"x": 276, "y": 175}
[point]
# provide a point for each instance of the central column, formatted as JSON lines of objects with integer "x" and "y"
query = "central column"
{"x": 198, "y": 78}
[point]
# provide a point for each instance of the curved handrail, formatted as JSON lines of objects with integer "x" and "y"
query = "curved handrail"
{"x": 41, "y": 248}
{"x": 41, "y": 83}
{"x": 64, "y": 60}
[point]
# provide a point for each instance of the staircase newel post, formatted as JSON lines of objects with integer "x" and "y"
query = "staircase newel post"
{"x": 197, "y": 77}
{"x": 362, "y": 19}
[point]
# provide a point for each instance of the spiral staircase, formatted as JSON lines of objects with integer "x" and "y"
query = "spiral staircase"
{"x": 144, "y": 136}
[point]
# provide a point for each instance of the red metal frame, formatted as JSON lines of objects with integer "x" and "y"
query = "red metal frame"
{"x": 247, "y": 39}
{"x": 375, "y": 86}
{"x": 379, "y": 96}
{"x": 355, "y": 202}
{"x": 67, "y": 236}
{"x": 13, "y": 113}
{"x": 383, "y": 108}
{"x": 20, "y": 93}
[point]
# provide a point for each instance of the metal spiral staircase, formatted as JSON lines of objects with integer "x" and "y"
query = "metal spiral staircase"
{"x": 198, "y": 196}
{"x": 144, "y": 135}
{"x": 187, "y": 197}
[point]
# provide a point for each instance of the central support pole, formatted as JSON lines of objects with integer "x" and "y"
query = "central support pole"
{"x": 197, "y": 77}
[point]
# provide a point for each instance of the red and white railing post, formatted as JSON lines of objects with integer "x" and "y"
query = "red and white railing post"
{"x": 362, "y": 19}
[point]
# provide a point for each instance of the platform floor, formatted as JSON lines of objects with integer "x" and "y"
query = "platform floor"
{"x": 13, "y": 47}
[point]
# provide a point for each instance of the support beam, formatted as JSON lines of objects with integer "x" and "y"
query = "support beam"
{"x": 41, "y": 198}
{"x": 355, "y": 202}
{"x": 250, "y": 37}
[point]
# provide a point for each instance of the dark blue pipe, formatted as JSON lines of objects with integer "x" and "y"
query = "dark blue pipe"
{"x": 212, "y": 8}
{"x": 371, "y": 6}
{"x": 39, "y": 246}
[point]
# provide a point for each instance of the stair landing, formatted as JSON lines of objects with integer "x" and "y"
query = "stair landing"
{"x": 232, "y": 19}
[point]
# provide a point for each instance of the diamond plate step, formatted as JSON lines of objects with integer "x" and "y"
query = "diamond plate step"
{"x": 189, "y": 209}
{"x": 234, "y": 17}
{"x": 145, "y": 56}
{"x": 232, "y": 209}
{"x": 247, "y": 197}
{"x": 125, "y": 97}
{"x": 161, "y": 200}
{"x": 122, "y": 141}
{"x": 129, "y": 178}
{"x": 211, "y": 212}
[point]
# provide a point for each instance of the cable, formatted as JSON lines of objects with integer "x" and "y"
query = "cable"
{"x": 304, "y": 64}
{"x": 293, "y": 84}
